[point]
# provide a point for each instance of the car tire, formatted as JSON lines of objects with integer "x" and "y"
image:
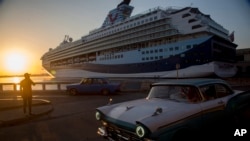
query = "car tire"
{"x": 105, "y": 92}
{"x": 73, "y": 92}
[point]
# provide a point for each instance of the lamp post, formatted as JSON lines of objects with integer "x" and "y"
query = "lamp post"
{"x": 177, "y": 66}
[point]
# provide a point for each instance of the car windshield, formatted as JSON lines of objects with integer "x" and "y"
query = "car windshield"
{"x": 175, "y": 93}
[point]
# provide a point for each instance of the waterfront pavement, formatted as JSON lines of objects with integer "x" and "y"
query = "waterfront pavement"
{"x": 11, "y": 111}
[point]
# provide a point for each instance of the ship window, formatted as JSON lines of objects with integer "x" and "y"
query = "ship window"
{"x": 156, "y": 57}
{"x": 143, "y": 59}
{"x": 192, "y": 20}
{"x": 185, "y": 15}
{"x": 151, "y": 51}
{"x": 156, "y": 51}
{"x": 195, "y": 45}
{"x": 176, "y": 48}
{"x": 161, "y": 50}
{"x": 188, "y": 47}
{"x": 196, "y": 26}
{"x": 155, "y": 18}
{"x": 151, "y": 58}
{"x": 161, "y": 57}
{"x": 143, "y": 52}
{"x": 171, "y": 49}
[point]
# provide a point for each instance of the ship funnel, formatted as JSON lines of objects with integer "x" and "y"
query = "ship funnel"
{"x": 124, "y": 2}
{"x": 119, "y": 14}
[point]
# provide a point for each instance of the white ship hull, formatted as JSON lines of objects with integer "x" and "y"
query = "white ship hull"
{"x": 204, "y": 70}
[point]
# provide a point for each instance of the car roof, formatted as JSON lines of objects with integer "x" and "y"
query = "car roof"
{"x": 195, "y": 82}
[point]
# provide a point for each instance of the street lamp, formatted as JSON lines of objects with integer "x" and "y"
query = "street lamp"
{"x": 177, "y": 66}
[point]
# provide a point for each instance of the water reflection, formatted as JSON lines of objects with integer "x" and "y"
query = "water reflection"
{"x": 16, "y": 80}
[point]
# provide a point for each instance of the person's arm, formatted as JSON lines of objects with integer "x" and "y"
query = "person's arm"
{"x": 32, "y": 82}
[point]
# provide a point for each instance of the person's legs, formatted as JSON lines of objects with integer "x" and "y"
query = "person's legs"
{"x": 30, "y": 104}
{"x": 24, "y": 104}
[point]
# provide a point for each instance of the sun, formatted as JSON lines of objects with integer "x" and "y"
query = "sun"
{"x": 15, "y": 62}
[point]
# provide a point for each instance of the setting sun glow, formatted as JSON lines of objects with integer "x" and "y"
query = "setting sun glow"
{"x": 15, "y": 62}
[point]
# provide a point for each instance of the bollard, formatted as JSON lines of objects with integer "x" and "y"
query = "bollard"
{"x": 15, "y": 88}
{"x": 1, "y": 87}
{"x": 58, "y": 86}
{"x": 44, "y": 88}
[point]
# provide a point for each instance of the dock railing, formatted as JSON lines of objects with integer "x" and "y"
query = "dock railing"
{"x": 126, "y": 85}
{"x": 39, "y": 86}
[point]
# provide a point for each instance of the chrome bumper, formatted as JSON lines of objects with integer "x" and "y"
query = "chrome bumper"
{"x": 102, "y": 132}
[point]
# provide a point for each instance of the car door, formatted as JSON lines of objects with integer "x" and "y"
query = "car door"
{"x": 214, "y": 105}
{"x": 86, "y": 86}
{"x": 96, "y": 85}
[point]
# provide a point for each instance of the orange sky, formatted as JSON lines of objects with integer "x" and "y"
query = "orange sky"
{"x": 17, "y": 60}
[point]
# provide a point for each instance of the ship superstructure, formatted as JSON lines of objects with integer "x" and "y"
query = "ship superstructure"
{"x": 158, "y": 42}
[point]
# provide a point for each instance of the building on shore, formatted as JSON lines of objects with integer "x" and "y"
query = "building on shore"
{"x": 243, "y": 62}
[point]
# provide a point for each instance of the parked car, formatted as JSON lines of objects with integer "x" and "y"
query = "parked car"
{"x": 97, "y": 85}
{"x": 175, "y": 110}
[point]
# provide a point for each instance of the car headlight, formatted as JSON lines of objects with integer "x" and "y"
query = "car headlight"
{"x": 98, "y": 115}
{"x": 140, "y": 131}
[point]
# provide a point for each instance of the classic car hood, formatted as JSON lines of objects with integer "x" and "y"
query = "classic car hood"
{"x": 143, "y": 111}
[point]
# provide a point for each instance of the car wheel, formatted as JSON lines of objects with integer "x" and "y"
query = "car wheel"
{"x": 105, "y": 92}
{"x": 73, "y": 91}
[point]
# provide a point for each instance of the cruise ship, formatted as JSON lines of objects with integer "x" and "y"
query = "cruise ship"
{"x": 160, "y": 42}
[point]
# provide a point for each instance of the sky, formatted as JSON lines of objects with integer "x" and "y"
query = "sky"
{"x": 28, "y": 28}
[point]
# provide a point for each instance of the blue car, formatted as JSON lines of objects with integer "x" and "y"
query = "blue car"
{"x": 96, "y": 85}
{"x": 184, "y": 109}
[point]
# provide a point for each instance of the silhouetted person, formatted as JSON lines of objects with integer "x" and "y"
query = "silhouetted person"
{"x": 26, "y": 92}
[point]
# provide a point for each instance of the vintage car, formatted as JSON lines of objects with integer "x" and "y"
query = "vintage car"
{"x": 177, "y": 109}
{"x": 97, "y": 85}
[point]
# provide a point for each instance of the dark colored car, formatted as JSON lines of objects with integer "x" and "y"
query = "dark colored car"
{"x": 96, "y": 85}
{"x": 184, "y": 109}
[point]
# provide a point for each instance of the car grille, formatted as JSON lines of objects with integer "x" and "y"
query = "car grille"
{"x": 119, "y": 134}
